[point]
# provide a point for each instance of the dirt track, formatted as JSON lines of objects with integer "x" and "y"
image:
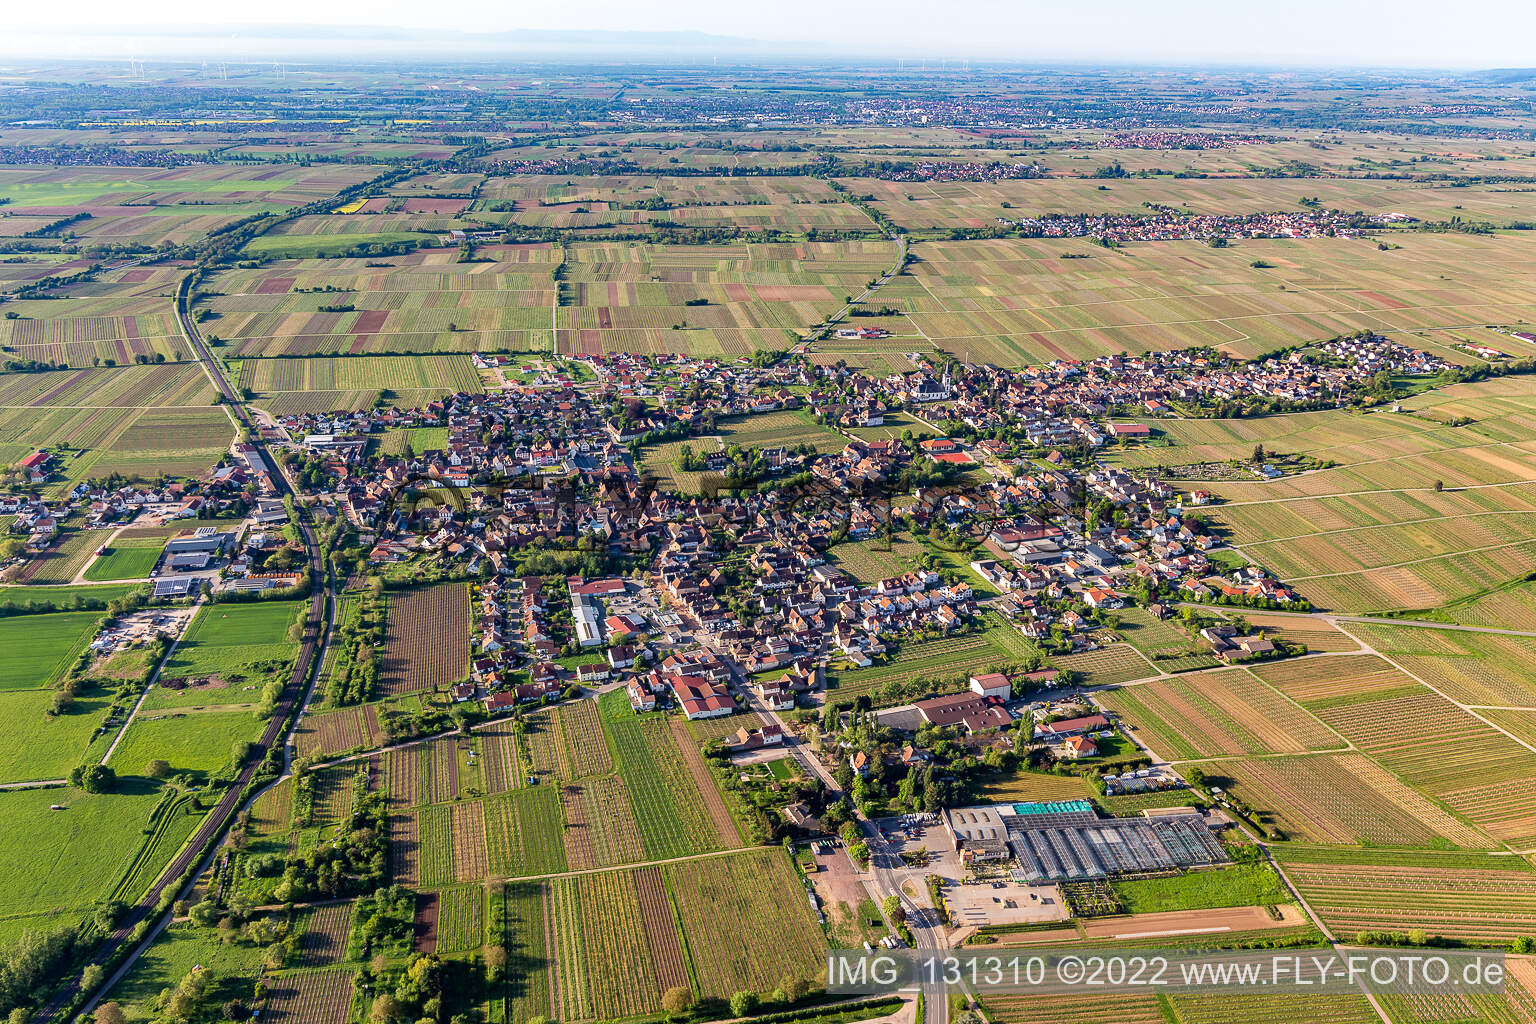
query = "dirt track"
{"x": 1176, "y": 923}
{"x": 1190, "y": 922}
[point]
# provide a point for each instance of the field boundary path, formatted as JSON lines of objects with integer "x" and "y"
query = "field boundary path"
{"x": 1437, "y": 691}
{"x": 80, "y": 579}
{"x": 901, "y": 258}
{"x": 1317, "y": 921}
{"x": 110, "y": 952}
{"x": 153, "y": 679}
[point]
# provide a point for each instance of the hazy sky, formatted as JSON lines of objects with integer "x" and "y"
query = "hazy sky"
{"x": 1423, "y": 33}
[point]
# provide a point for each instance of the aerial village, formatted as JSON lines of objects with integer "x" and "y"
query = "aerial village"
{"x": 734, "y": 583}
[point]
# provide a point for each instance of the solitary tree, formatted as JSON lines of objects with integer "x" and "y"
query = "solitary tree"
{"x": 385, "y": 1010}
{"x": 495, "y": 962}
{"x": 677, "y": 1000}
{"x": 93, "y": 778}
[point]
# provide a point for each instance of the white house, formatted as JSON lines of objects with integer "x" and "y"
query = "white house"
{"x": 993, "y": 684}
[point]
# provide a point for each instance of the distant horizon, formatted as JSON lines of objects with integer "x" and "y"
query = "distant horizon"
{"x": 320, "y": 52}
{"x": 1480, "y": 35}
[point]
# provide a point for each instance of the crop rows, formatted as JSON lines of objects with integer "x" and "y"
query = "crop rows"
{"x": 868, "y": 563}
{"x": 1319, "y": 682}
{"x": 660, "y": 928}
{"x": 1276, "y": 1008}
{"x": 401, "y": 771}
{"x": 600, "y": 826}
{"x": 326, "y": 373}
{"x": 312, "y": 997}
{"x": 714, "y": 802}
{"x": 1505, "y": 810}
{"x": 605, "y": 966}
{"x": 443, "y": 757}
{"x": 499, "y": 759}
{"x": 1514, "y": 1004}
{"x": 714, "y": 897}
{"x": 460, "y": 919}
{"x": 585, "y": 743}
{"x": 174, "y": 384}
{"x": 428, "y": 639}
{"x": 1121, "y": 1007}
{"x": 1213, "y": 713}
{"x": 273, "y": 810}
{"x": 1473, "y": 668}
{"x": 324, "y": 937}
{"x": 1317, "y": 634}
{"x": 306, "y": 403}
{"x": 1342, "y": 799}
{"x": 329, "y": 733}
{"x": 404, "y": 848}
{"x": 546, "y": 747}
{"x": 665, "y": 799}
{"x": 434, "y": 834}
{"x": 524, "y": 833}
{"x": 333, "y": 793}
{"x": 469, "y": 853}
{"x": 526, "y": 941}
{"x": 1116, "y": 663}
{"x": 947, "y": 656}
{"x": 1474, "y": 906}
{"x": 1429, "y": 742}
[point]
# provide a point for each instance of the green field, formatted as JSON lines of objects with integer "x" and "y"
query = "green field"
{"x": 28, "y": 599}
{"x": 418, "y": 439}
{"x": 228, "y": 653}
{"x": 1116, "y": 663}
{"x": 39, "y": 647}
{"x": 947, "y": 660}
{"x": 870, "y": 561}
{"x": 178, "y": 949}
{"x": 36, "y": 745}
{"x": 1373, "y": 532}
{"x": 62, "y": 861}
{"x": 199, "y": 743}
{"x": 60, "y": 563}
{"x": 783, "y": 427}
{"x": 523, "y": 832}
{"x": 125, "y": 560}
{"x": 665, "y": 798}
{"x": 692, "y": 240}
{"x": 313, "y": 246}
{"x": 1001, "y": 301}
{"x": 1243, "y": 885}
{"x": 896, "y": 423}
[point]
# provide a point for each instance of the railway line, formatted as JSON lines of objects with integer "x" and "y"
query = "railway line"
{"x": 273, "y": 736}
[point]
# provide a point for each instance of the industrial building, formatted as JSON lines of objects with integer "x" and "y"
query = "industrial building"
{"x": 1067, "y": 840}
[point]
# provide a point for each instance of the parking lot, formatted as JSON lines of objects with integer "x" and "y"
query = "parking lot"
{"x": 997, "y": 902}
{"x": 910, "y": 834}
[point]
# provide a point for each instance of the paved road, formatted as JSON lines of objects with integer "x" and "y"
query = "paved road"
{"x": 217, "y": 819}
{"x": 883, "y": 279}
{"x": 887, "y": 870}
{"x": 1335, "y": 617}
{"x": 796, "y": 747}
